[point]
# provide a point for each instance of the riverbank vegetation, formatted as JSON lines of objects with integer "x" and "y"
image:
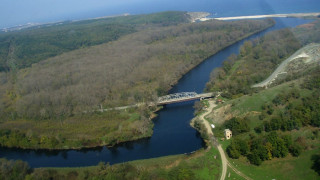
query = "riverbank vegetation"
{"x": 275, "y": 128}
{"x": 200, "y": 127}
{"x": 52, "y": 104}
{"x": 88, "y": 130}
{"x": 203, "y": 164}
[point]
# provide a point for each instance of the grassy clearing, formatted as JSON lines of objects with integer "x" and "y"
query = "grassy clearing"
{"x": 232, "y": 175}
{"x": 254, "y": 102}
{"x": 278, "y": 168}
{"x": 286, "y": 168}
{"x": 211, "y": 167}
{"x": 282, "y": 168}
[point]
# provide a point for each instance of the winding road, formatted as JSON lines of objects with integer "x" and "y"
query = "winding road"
{"x": 224, "y": 163}
{"x": 309, "y": 53}
{"x": 224, "y": 159}
{"x": 202, "y": 117}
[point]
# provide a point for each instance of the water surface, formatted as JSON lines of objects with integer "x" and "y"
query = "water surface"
{"x": 13, "y": 13}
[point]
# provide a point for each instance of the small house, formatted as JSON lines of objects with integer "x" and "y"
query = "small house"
{"x": 227, "y": 133}
{"x": 219, "y": 101}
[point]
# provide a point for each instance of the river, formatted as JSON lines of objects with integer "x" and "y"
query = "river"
{"x": 172, "y": 132}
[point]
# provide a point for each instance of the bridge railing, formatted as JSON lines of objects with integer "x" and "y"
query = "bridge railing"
{"x": 177, "y": 96}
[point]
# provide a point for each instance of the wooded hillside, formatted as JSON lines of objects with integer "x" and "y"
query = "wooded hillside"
{"x": 136, "y": 68}
{"x": 50, "y": 97}
{"x": 20, "y": 49}
{"x": 259, "y": 58}
{"x": 272, "y": 125}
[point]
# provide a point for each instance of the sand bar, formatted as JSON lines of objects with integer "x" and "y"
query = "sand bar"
{"x": 264, "y": 16}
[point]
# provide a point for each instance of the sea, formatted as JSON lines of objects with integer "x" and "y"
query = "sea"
{"x": 14, "y": 13}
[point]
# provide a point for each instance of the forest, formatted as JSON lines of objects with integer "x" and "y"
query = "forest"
{"x": 290, "y": 110}
{"x": 20, "y": 49}
{"x": 258, "y": 59}
{"x": 43, "y": 106}
{"x": 271, "y": 122}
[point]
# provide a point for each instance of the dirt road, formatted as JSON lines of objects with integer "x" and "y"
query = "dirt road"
{"x": 224, "y": 159}
{"x": 224, "y": 163}
{"x": 238, "y": 172}
{"x": 202, "y": 117}
{"x": 209, "y": 130}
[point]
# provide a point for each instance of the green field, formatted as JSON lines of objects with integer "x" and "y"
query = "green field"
{"x": 286, "y": 168}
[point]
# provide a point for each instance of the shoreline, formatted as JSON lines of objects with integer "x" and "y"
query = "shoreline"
{"x": 295, "y": 15}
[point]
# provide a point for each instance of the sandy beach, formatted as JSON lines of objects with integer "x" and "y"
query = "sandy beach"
{"x": 264, "y": 16}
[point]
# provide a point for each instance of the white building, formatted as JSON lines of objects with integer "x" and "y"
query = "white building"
{"x": 227, "y": 133}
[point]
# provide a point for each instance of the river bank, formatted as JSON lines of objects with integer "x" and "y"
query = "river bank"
{"x": 201, "y": 164}
{"x": 200, "y": 123}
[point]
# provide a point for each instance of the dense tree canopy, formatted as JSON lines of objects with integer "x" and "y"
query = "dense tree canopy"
{"x": 258, "y": 59}
{"x": 23, "y": 48}
{"x": 259, "y": 149}
{"x": 53, "y": 103}
{"x": 291, "y": 108}
{"x": 133, "y": 69}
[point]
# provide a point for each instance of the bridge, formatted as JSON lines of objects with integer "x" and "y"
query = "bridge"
{"x": 168, "y": 99}
{"x": 183, "y": 96}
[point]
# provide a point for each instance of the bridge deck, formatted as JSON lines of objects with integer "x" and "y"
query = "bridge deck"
{"x": 180, "y": 97}
{"x": 168, "y": 99}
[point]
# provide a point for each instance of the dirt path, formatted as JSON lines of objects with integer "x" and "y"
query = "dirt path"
{"x": 238, "y": 172}
{"x": 224, "y": 159}
{"x": 224, "y": 163}
{"x": 202, "y": 117}
{"x": 209, "y": 130}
